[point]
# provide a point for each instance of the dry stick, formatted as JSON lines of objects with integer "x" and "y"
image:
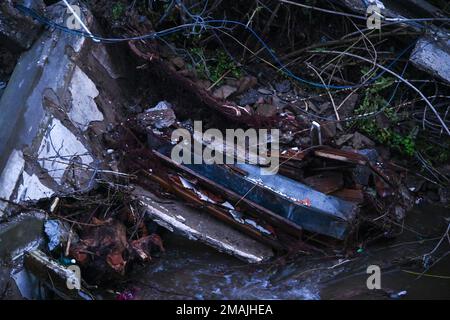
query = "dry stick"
{"x": 218, "y": 80}
{"x": 338, "y": 42}
{"x": 409, "y": 84}
{"x": 348, "y": 49}
{"x": 375, "y": 58}
{"x": 324, "y": 10}
{"x": 250, "y": 50}
{"x": 328, "y": 91}
{"x": 266, "y": 28}
{"x": 427, "y": 275}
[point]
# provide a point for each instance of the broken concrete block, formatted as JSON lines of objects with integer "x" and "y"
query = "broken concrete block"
{"x": 84, "y": 109}
{"x": 433, "y": 56}
{"x": 60, "y": 143}
{"x": 51, "y": 109}
{"x": 62, "y": 280}
{"x": 195, "y": 225}
{"x": 22, "y": 233}
{"x": 9, "y": 177}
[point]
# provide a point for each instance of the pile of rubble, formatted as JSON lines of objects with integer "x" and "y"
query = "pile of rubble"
{"x": 102, "y": 175}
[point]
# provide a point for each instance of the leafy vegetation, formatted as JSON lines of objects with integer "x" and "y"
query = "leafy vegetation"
{"x": 214, "y": 68}
{"x": 373, "y": 101}
{"x": 118, "y": 9}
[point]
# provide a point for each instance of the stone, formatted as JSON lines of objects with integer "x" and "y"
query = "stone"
{"x": 346, "y": 110}
{"x": 266, "y": 110}
{"x": 84, "y": 109}
{"x": 433, "y": 56}
{"x": 224, "y": 92}
{"x": 329, "y": 130}
{"x": 159, "y": 117}
{"x": 360, "y": 141}
{"x": 265, "y": 92}
{"x": 246, "y": 83}
{"x": 249, "y": 98}
{"x": 361, "y": 174}
{"x": 343, "y": 139}
{"x": 283, "y": 86}
{"x": 178, "y": 62}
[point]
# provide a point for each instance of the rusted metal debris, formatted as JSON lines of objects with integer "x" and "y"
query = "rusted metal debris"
{"x": 329, "y": 192}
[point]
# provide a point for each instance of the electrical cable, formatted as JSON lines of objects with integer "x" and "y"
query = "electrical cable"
{"x": 205, "y": 24}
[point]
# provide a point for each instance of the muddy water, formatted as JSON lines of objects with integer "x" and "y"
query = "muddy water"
{"x": 189, "y": 270}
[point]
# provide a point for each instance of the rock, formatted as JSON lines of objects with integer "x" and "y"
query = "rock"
{"x": 249, "y": 98}
{"x": 283, "y": 86}
{"x": 278, "y": 103}
{"x": 346, "y": 110}
{"x": 328, "y": 130}
{"x": 265, "y": 91}
{"x": 246, "y": 83}
{"x": 203, "y": 84}
{"x": 383, "y": 121}
{"x": 343, "y": 139}
{"x": 178, "y": 62}
{"x": 312, "y": 106}
{"x": 360, "y": 141}
{"x": 161, "y": 116}
{"x": 324, "y": 107}
{"x": 266, "y": 110}
{"x": 433, "y": 56}
{"x": 224, "y": 92}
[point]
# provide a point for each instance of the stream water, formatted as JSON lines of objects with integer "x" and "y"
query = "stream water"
{"x": 190, "y": 270}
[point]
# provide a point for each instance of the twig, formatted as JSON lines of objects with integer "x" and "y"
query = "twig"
{"x": 409, "y": 84}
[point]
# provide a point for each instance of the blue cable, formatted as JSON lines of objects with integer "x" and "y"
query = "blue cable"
{"x": 205, "y": 24}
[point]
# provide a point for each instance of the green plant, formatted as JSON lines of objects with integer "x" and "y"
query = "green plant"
{"x": 118, "y": 9}
{"x": 373, "y": 101}
{"x": 216, "y": 67}
{"x": 224, "y": 64}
